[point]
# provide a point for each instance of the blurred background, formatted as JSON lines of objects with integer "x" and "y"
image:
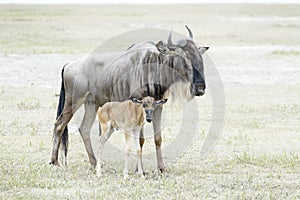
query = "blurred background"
{"x": 59, "y": 27}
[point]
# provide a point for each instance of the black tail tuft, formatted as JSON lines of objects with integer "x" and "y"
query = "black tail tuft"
{"x": 60, "y": 108}
{"x": 99, "y": 129}
{"x": 61, "y": 102}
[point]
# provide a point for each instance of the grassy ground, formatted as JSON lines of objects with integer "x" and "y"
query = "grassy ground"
{"x": 256, "y": 156}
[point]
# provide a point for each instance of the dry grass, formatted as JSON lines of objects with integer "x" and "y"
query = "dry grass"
{"x": 250, "y": 160}
{"x": 257, "y": 155}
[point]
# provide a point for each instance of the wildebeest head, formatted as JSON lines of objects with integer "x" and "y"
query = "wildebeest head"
{"x": 149, "y": 104}
{"x": 187, "y": 51}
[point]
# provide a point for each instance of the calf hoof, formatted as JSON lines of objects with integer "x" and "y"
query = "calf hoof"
{"x": 98, "y": 171}
{"x": 125, "y": 176}
{"x": 142, "y": 176}
{"x": 140, "y": 173}
{"x": 99, "y": 174}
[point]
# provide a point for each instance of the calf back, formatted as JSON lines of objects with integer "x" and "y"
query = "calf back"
{"x": 123, "y": 115}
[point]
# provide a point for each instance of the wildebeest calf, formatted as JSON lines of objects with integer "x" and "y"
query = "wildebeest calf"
{"x": 130, "y": 117}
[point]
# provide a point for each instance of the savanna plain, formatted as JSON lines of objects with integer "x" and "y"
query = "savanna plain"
{"x": 254, "y": 48}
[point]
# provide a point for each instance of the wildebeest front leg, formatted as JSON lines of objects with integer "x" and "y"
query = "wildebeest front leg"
{"x": 157, "y": 137}
{"x": 85, "y": 129}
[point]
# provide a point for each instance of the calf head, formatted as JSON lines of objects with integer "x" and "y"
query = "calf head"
{"x": 149, "y": 104}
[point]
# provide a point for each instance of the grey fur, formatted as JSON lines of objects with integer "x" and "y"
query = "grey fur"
{"x": 144, "y": 69}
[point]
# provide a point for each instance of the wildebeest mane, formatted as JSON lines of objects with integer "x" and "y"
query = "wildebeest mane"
{"x": 147, "y": 72}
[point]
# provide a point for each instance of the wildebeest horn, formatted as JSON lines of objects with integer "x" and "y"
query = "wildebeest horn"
{"x": 170, "y": 43}
{"x": 190, "y": 32}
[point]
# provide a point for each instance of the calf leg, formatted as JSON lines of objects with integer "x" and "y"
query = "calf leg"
{"x": 127, "y": 154}
{"x": 85, "y": 129}
{"x": 139, "y": 153}
{"x": 157, "y": 137}
{"x": 142, "y": 140}
{"x": 106, "y": 130}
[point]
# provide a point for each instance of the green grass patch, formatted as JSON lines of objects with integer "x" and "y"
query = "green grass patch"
{"x": 285, "y": 53}
{"x": 286, "y": 160}
{"x": 29, "y": 104}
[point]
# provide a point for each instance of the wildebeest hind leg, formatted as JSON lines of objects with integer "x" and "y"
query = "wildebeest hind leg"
{"x": 59, "y": 127}
{"x": 85, "y": 129}
{"x": 69, "y": 109}
{"x": 64, "y": 146}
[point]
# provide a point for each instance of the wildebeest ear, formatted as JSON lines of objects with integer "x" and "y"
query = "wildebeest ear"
{"x": 181, "y": 43}
{"x": 202, "y": 50}
{"x": 162, "y": 47}
{"x": 161, "y": 101}
{"x": 135, "y": 100}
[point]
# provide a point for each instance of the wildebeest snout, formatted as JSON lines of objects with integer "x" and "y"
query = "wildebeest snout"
{"x": 198, "y": 89}
{"x": 149, "y": 114}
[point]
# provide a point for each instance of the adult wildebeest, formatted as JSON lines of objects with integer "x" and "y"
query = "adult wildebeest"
{"x": 144, "y": 69}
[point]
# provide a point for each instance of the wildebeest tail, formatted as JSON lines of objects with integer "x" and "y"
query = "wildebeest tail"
{"x": 60, "y": 107}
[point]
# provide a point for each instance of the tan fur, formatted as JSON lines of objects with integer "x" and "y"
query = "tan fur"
{"x": 123, "y": 115}
{"x": 129, "y": 117}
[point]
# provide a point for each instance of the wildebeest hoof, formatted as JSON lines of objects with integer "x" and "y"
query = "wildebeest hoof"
{"x": 93, "y": 166}
{"x": 162, "y": 170}
{"x": 54, "y": 163}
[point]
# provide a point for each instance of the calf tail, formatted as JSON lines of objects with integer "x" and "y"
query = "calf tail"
{"x": 60, "y": 108}
{"x": 99, "y": 128}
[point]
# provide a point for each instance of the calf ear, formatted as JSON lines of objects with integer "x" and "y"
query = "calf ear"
{"x": 135, "y": 100}
{"x": 202, "y": 50}
{"x": 161, "y": 101}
